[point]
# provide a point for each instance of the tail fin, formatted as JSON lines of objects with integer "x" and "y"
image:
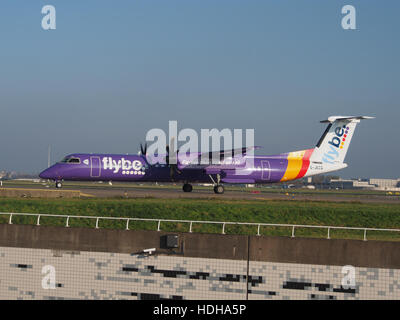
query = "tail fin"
{"x": 334, "y": 143}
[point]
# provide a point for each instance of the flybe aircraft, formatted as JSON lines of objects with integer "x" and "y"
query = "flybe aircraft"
{"x": 327, "y": 156}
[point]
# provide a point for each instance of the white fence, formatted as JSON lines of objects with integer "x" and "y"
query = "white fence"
{"x": 191, "y": 222}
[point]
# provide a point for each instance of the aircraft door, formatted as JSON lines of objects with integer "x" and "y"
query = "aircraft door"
{"x": 266, "y": 170}
{"x": 95, "y": 167}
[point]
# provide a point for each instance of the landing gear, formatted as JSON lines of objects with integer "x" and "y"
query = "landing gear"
{"x": 187, "y": 187}
{"x": 58, "y": 184}
{"x": 219, "y": 189}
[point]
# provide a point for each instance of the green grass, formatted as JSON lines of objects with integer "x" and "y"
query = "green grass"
{"x": 348, "y": 214}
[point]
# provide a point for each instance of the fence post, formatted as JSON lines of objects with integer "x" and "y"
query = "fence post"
{"x": 127, "y": 224}
{"x": 258, "y": 230}
{"x": 365, "y": 234}
{"x": 223, "y": 228}
{"x": 158, "y": 227}
{"x": 67, "y": 223}
{"x": 328, "y": 233}
{"x": 292, "y": 231}
{"x": 38, "y": 220}
{"x": 190, "y": 228}
{"x": 9, "y": 221}
{"x": 97, "y": 222}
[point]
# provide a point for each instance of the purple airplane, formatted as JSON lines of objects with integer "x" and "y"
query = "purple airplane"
{"x": 235, "y": 167}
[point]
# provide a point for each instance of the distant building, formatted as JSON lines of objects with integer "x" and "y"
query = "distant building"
{"x": 8, "y": 175}
{"x": 372, "y": 184}
{"x": 385, "y": 184}
{"x": 348, "y": 184}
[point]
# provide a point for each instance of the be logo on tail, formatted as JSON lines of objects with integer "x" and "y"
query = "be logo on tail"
{"x": 337, "y": 142}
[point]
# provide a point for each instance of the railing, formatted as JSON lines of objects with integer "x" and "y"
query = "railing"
{"x": 190, "y": 222}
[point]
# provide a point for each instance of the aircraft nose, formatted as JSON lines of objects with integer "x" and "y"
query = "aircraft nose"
{"x": 46, "y": 174}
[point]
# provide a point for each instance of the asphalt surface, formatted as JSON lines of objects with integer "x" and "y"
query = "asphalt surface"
{"x": 107, "y": 191}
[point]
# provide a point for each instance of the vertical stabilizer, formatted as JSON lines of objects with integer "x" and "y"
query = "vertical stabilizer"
{"x": 332, "y": 147}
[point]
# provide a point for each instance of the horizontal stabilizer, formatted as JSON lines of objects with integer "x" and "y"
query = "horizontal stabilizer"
{"x": 334, "y": 118}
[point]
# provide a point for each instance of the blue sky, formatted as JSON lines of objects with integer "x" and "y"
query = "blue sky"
{"x": 112, "y": 70}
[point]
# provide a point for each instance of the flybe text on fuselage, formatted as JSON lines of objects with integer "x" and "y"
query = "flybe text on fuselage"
{"x": 122, "y": 164}
{"x": 335, "y": 144}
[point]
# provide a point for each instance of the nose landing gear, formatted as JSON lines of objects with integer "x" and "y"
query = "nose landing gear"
{"x": 58, "y": 184}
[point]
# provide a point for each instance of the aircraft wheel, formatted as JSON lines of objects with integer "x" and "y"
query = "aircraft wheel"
{"x": 187, "y": 187}
{"x": 219, "y": 189}
{"x": 58, "y": 184}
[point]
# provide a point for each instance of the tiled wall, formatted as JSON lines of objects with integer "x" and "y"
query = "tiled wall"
{"x": 96, "y": 275}
{"x": 307, "y": 281}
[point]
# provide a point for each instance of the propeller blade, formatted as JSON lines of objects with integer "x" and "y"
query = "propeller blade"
{"x": 171, "y": 151}
{"x": 173, "y": 167}
{"x": 143, "y": 150}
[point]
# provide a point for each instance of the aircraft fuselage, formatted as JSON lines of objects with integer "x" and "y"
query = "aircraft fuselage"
{"x": 116, "y": 167}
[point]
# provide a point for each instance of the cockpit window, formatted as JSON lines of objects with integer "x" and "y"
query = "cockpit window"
{"x": 70, "y": 160}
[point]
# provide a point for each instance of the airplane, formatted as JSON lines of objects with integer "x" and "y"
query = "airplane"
{"x": 327, "y": 156}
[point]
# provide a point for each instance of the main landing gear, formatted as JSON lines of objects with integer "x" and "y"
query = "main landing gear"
{"x": 187, "y": 187}
{"x": 218, "y": 188}
{"x": 58, "y": 184}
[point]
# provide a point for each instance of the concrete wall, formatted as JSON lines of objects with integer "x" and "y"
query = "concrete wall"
{"x": 376, "y": 254}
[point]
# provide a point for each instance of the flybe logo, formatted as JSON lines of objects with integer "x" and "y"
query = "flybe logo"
{"x": 337, "y": 142}
{"x": 127, "y": 166}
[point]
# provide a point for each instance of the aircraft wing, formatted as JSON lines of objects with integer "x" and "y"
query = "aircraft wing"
{"x": 227, "y": 159}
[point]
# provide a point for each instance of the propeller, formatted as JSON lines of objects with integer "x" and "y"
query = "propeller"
{"x": 173, "y": 167}
{"x": 143, "y": 150}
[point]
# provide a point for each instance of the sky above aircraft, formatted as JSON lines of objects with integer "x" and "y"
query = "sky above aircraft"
{"x": 111, "y": 71}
